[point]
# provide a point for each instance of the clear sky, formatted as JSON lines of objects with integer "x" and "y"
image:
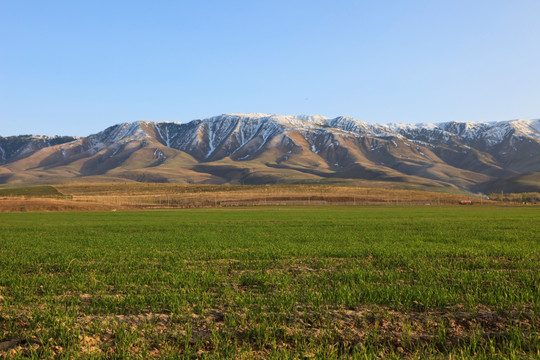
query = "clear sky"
{"x": 76, "y": 67}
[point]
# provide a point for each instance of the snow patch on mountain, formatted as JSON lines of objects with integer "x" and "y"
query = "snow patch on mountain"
{"x": 527, "y": 127}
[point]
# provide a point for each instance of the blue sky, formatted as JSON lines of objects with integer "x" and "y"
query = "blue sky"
{"x": 77, "y": 67}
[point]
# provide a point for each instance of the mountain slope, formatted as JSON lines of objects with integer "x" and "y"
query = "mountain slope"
{"x": 18, "y": 147}
{"x": 263, "y": 148}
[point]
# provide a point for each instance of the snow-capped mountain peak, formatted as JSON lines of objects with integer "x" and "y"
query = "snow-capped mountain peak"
{"x": 527, "y": 127}
{"x": 458, "y": 153}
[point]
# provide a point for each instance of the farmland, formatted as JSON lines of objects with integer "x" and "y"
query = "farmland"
{"x": 271, "y": 282}
{"x": 137, "y": 196}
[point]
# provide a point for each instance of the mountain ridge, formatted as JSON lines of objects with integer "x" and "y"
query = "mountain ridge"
{"x": 271, "y": 148}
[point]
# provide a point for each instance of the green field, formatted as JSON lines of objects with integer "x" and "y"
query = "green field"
{"x": 44, "y": 191}
{"x": 313, "y": 282}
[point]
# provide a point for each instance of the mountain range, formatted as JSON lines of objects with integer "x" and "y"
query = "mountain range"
{"x": 267, "y": 148}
